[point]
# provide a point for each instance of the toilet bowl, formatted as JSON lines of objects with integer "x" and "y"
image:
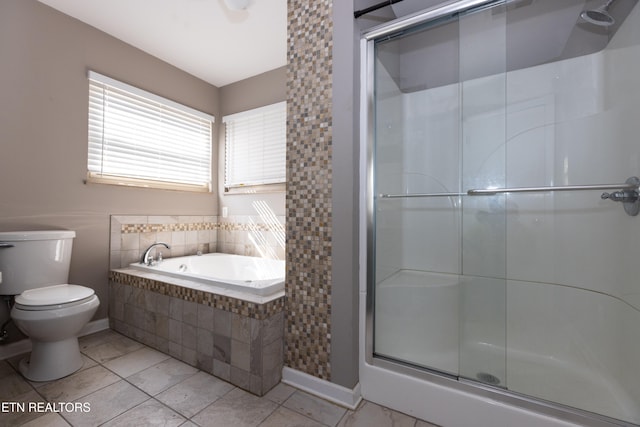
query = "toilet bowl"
{"x": 35, "y": 270}
{"x": 52, "y": 317}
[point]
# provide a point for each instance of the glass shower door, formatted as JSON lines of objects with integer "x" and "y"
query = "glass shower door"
{"x": 504, "y": 237}
{"x": 440, "y": 256}
{"x": 417, "y": 203}
{"x": 482, "y": 78}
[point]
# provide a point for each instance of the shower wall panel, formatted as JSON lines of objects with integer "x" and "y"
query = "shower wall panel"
{"x": 553, "y": 274}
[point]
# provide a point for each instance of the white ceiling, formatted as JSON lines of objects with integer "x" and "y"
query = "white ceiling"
{"x": 201, "y": 37}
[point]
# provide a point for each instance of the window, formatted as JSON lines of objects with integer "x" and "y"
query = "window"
{"x": 255, "y": 146}
{"x": 140, "y": 139}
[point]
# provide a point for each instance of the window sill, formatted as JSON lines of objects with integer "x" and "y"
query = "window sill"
{"x": 256, "y": 189}
{"x": 141, "y": 183}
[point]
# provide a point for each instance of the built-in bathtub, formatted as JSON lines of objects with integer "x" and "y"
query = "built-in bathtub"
{"x": 223, "y": 314}
{"x": 255, "y": 276}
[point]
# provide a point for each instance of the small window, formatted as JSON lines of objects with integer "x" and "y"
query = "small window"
{"x": 255, "y": 146}
{"x": 141, "y": 139}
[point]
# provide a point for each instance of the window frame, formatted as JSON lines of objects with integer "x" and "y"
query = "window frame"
{"x": 276, "y": 110}
{"x": 165, "y": 105}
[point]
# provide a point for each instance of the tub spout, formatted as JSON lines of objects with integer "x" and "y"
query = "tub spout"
{"x": 146, "y": 258}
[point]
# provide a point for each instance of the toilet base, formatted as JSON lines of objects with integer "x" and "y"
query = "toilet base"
{"x": 52, "y": 360}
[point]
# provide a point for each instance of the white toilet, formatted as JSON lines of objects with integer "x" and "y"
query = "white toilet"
{"x": 35, "y": 268}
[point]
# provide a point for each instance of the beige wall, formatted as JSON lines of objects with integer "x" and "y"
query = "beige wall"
{"x": 43, "y": 132}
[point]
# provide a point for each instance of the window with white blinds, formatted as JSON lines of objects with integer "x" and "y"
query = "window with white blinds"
{"x": 255, "y": 146}
{"x": 141, "y": 139}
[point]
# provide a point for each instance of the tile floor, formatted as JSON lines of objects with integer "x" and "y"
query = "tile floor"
{"x": 125, "y": 383}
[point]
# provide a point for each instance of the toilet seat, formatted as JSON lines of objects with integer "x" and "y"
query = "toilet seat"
{"x": 53, "y": 297}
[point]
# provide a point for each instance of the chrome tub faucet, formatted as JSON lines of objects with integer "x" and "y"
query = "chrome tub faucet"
{"x": 146, "y": 259}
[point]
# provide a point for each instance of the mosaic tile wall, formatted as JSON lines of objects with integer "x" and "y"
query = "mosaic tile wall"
{"x": 261, "y": 236}
{"x": 238, "y": 341}
{"x": 309, "y": 181}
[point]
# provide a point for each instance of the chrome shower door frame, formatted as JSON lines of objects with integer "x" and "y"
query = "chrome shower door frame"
{"x": 367, "y": 237}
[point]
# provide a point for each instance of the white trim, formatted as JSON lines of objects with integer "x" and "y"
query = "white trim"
{"x": 95, "y": 326}
{"x": 92, "y": 75}
{"x": 23, "y": 346}
{"x": 15, "y": 348}
{"x": 255, "y": 111}
{"x": 349, "y": 398}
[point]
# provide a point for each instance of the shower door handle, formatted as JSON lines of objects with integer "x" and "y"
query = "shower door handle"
{"x": 627, "y": 193}
{"x": 631, "y": 186}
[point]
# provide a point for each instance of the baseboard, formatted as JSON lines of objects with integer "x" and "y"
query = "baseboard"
{"x": 23, "y": 346}
{"x": 349, "y": 398}
{"x": 95, "y": 326}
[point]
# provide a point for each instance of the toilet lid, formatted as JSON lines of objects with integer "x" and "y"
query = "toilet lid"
{"x": 54, "y": 295}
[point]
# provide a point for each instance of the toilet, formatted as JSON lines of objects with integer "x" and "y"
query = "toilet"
{"x": 35, "y": 269}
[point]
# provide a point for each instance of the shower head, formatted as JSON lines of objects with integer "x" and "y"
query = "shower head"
{"x": 599, "y": 16}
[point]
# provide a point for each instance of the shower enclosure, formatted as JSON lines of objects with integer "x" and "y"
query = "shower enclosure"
{"x": 501, "y": 146}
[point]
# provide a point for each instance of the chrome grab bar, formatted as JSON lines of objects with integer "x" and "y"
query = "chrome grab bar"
{"x": 627, "y": 193}
{"x": 493, "y": 191}
{"x": 6, "y": 245}
{"x": 632, "y": 184}
{"x": 404, "y": 196}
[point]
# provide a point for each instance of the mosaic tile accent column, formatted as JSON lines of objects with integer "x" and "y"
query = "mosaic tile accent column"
{"x": 309, "y": 181}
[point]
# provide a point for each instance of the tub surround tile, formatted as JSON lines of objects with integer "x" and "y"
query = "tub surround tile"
{"x": 130, "y": 236}
{"x": 222, "y": 348}
{"x": 222, "y": 322}
{"x": 205, "y": 317}
{"x": 251, "y": 235}
{"x": 189, "y": 336}
{"x": 241, "y": 342}
{"x": 240, "y": 356}
{"x": 205, "y": 343}
{"x": 253, "y": 306}
{"x": 222, "y": 370}
{"x": 219, "y": 333}
{"x": 190, "y": 313}
{"x": 175, "y": 308}
{"x": 175, "y": 332}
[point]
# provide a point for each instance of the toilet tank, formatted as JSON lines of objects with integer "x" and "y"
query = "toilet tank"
{"x": 33, "y": 259}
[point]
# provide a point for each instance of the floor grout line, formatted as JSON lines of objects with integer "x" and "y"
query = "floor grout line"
{"x": 288, "y": 400}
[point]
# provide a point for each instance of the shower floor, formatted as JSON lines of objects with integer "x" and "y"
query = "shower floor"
{"x": 417, "y": 322}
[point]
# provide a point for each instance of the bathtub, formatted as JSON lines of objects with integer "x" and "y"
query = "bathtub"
{"x": 249, "y": 275}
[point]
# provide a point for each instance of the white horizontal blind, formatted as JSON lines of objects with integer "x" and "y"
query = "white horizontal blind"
{"x": 255, "y": 146}
{"x": 139, "y": 138}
